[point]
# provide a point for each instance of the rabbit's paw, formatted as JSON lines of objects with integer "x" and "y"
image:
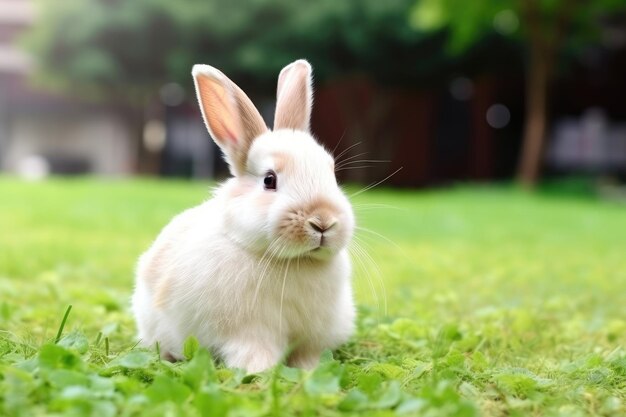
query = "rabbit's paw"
{"x": 253, "y": 356}
{"x": 303, "y": 357}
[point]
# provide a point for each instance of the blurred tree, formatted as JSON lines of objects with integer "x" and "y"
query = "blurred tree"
{"x": 547, "y": 27}
{"x": 128, "y": 48}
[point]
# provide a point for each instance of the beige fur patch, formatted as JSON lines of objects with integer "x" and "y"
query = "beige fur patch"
{"x": 162, "y": 292}
{"x": 153, "y": 267}
{"x": 283, "y": 163}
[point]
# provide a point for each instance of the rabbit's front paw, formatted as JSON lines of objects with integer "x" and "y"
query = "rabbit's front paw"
{"x": 306, "y": 358}
{"x": 251, "y": 355}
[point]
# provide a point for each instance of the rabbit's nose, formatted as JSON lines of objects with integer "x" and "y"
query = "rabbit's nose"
{"x": 320, "y": 225}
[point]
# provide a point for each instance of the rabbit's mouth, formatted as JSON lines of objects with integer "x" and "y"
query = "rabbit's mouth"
{"x": 322, "y": 244}
{"x": 321, "y": 252}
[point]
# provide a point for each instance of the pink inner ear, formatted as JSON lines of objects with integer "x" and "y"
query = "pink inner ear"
{"x": 293, "y": 107}
{"x": 227, "y": 133}
{"x": 221, "y": 115}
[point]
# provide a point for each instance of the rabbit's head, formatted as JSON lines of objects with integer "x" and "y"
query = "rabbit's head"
{"x": 284, "y": 200}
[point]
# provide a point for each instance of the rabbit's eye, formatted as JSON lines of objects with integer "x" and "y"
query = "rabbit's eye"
{"x": 269, "y": 182}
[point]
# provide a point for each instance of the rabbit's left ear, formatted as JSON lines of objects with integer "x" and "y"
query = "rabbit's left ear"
{"x": 294, "y": 97}
{"x": 230, "y": 116}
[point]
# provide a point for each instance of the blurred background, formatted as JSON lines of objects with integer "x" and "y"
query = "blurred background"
{"x": 449, "y": 90}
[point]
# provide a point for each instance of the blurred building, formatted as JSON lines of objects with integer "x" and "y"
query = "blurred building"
{"x": 590, "y": 144}
{"x": 45, "y": 132}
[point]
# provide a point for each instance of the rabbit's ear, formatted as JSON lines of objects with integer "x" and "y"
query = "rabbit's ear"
{"x": 228, "y": 113}
{"x": 294, "y": 97}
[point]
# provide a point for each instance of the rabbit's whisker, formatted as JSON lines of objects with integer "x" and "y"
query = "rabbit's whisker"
{"x": 267, "y": 251}
{"x": 282, "y": 297}
{"x": 369, "y": 187}
{"x": 359, "y": 167}
{"x": 343, "y": 161}
{"x": 358, "y": 255}
{"x": 340, "y": 139}
{"x": 347, "y": 150}
{"x": 272, "y": 250}
{"x": 373, "y": 206}
{"x": 369, "y": 161}
{"x": 385, "y": 238}
{"x": 360, "y": 243}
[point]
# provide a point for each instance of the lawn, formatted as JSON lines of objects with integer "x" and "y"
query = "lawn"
{"x": 472, "y": 301}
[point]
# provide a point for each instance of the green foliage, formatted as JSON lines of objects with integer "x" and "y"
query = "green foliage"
{"x": 498, "y": 303}
{"x": 130, "y": 48}
{"x": 467, "y": 23}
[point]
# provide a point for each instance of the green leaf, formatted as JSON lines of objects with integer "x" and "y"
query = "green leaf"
{"x": 75, "y": 341}
{"x": 479, "y": 362}
{"x": 520, "y": 382}
{"x": 325, "y": 379}
{"x": 353, "y": 401}
{"x": 61, "y": 378}
{"x": 445, "y": 398}
{"x": 389, "y": 396}
{"x": 200, "y": 370}
{"x": 15, "y": 388}
{"x": 411, "y": 406}
{"x": 369, "y": 382}
{"x": 407, "y": 329}
{"x": 388, "y": 370}
{"x": 103, "y": 409}
{"x": 101, "y": 386}
{"x": 599, "y": 375}
{"x": 291, "y": 374}
{"x": 326, "y": 356}
{"x": 322, "y": 383}
{"x": 57, "y": 357}
{"x": 109, "y": 329}
{"x": 135, "y": 359}
{"x": 74, "y": 393}
{"x": 191, "y": 347}
{"x": 211, "y": 402}
{"x": 167, "y": 389}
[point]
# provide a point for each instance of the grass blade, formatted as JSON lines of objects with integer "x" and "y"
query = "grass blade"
{"x": 62, "y": 326}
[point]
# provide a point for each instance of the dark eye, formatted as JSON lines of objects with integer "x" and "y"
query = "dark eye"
{"x": 269, "y": 182}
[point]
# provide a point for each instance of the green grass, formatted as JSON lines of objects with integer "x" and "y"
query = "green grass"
{"x": 489, "y": 301}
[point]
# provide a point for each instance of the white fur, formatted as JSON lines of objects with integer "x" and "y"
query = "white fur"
{"x": 213, "y": 272}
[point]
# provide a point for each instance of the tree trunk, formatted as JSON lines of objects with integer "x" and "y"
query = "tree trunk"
{"x": 536, "y": 117}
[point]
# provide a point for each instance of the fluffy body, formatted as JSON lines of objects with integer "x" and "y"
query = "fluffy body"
{"x": 246, "y": 272}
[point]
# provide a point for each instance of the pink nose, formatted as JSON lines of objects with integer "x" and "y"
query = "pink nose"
{"x": 320, "y": 225}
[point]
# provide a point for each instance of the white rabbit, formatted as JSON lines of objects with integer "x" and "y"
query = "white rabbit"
{"x": 260, "y": 272}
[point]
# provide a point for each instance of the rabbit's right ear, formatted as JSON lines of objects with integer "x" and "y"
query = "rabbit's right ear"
{"x": 229, "y": 115}
{"x": 294, "y": 97}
